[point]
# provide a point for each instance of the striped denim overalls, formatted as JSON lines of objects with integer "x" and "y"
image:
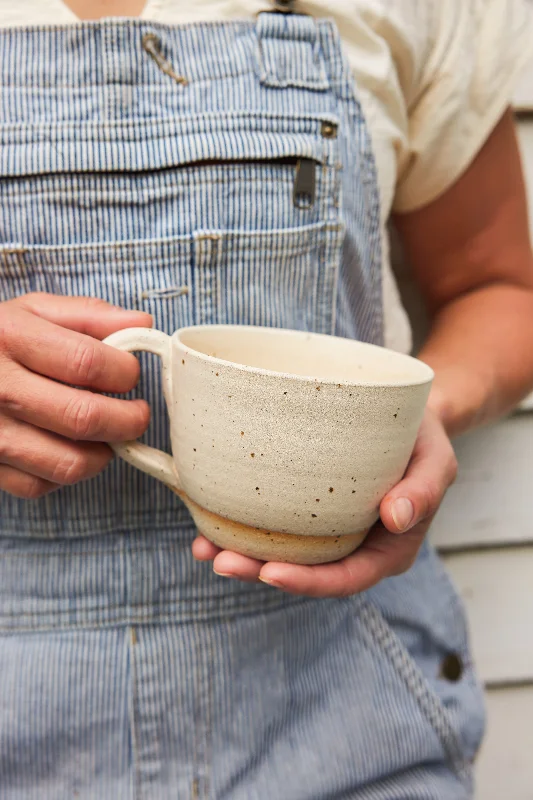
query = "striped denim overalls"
{"x": 207, "y": 173}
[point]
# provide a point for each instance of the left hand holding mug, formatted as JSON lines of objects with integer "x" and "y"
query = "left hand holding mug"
{"x": 391, "y": 546}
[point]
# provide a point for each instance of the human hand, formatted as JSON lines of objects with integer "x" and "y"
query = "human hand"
{"x": 391, "y": 546}
{"x": 51, "y": 433}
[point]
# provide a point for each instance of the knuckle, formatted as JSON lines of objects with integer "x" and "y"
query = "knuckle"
{"x": 70, "y": 469}
{"x": 433, "y": 494}
{"x": 9, "y": 394}
{"x": 347, "y": 585}
{"x": 142, "y": 417}
{"x": 452, "y": 468}
{"x": 83, "y": 417}
{"x": 9, "y": 443}
{"x": 85, "y": 361}
{"x": 31, "y": 298}
{"x": 9, "y": 330}
{"x": 94, "y": 303}
{"x": 34, "y": 488}
{"x": 4, "y": 439}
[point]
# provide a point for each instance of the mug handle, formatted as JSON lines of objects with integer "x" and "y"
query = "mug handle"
{"x": 155, "y": 462}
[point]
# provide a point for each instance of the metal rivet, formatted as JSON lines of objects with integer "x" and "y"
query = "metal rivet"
{"x": 452, "y": 668}
{"x": 328, "y": 130}
{"x": 150, "y": 40}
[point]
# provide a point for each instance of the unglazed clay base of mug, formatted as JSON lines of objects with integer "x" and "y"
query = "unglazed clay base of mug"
{"x": 270, "y": 545}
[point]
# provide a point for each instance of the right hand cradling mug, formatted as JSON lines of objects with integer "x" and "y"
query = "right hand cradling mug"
{"x": 284, "y": 442}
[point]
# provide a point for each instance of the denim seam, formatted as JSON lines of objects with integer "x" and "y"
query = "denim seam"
{"x": 242, "y": 609}
{"x": 380, "y": 635}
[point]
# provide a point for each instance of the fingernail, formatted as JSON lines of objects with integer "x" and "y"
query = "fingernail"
{"x": 271, "y": 582}
{"x": 402, "y": 511}
{"x": 224, "y": 574}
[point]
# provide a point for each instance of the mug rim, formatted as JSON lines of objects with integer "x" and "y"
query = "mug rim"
{"x": 402, "y": 357}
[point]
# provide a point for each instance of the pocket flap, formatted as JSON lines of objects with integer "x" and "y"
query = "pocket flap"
{"x": 43, "y": 148}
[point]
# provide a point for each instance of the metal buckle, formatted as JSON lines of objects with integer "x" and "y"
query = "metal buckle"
{"x": 284, "y": 6}
{"x": 281, "y": 7}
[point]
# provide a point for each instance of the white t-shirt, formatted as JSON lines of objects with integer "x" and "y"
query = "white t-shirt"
{"x": 434, "y": 76}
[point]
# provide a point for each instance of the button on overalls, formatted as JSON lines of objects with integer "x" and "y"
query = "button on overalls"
{"x": 212, "y": 173}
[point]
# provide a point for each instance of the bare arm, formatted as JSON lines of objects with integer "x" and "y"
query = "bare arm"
{"x": 471, "y": 255}
{"x": 472, "y": 259}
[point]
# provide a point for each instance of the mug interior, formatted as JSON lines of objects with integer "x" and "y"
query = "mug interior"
{"x": 330, "y": 359}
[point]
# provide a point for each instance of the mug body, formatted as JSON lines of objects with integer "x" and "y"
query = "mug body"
{"x": 289, "y": 431}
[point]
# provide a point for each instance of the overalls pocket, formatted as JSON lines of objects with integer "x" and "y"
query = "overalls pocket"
{"x": 211, "y": 218}
{"x": 417, "y": 623}
{"x": 240, "y": 226}
{"x": 278, "y": 278}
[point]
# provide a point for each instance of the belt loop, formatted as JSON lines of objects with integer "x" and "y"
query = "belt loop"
{"x": 289, "y": 52}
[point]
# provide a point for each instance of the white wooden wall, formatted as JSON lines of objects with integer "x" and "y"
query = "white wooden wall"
{"x": 484, "y": 532}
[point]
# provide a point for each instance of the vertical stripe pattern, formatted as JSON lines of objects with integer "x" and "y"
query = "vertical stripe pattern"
{"x": 127, "y": 670}
{"x": 178, "y": 200}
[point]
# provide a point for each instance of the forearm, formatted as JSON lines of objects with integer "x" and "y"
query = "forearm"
{"x": 481, "y": 349}
{"x": 471, "y": 258}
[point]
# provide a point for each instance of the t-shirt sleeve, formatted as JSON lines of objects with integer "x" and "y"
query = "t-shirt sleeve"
{"x": 465, "y": 80}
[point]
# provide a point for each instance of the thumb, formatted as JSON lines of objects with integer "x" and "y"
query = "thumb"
{"x": 431, "y": 471}
{"x": 88, "y": 315}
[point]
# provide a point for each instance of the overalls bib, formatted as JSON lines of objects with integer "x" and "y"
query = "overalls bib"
{"x": 212, "y": 173}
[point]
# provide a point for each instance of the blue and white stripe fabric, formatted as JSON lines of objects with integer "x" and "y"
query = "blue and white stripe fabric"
{"x": 166, "y": 179}
{"x": 114, "y": 185}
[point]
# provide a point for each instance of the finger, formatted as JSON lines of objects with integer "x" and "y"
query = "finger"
{"x": 381, "y": 555}
{"x": 75, "y": 413}
{"x": 233, "y": 565}
{"x": 203, "y": 549}
{"x": 46, "y": 455}
{"x": 432, "y": 469}
{"x": 88, "y": 315}
{"x": 19, "y": 484}
{"x": 66, "y": 355}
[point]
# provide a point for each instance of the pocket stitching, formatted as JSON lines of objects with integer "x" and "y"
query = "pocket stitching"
{"x": 381, "y": 635}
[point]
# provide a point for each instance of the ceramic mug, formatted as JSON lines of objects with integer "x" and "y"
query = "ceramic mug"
{"x": 283, "y": 442}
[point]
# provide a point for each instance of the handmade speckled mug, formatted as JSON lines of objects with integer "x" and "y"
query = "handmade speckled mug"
{"x": 284, "y": 442}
